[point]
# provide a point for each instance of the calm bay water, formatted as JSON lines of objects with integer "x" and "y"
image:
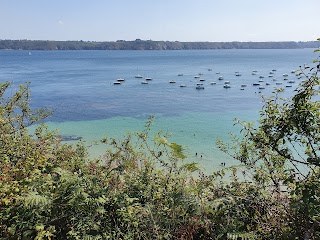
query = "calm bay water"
{"x": 78, "y": 85}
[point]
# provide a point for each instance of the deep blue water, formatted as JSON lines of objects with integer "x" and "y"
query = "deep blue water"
{"x": 78, "y": 85}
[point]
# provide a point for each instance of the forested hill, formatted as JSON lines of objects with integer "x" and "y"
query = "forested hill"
{"x": 148, "y": 45}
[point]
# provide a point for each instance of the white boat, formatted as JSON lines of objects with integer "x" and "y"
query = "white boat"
{"x": 180, "y": 74}
{"x": 255, "y": 71}
{"x": 196, "y": 76}
{"x": 285, "y": 75}
{"x": 202, "y": 80}
{"x": 226, "y": 82}
{"x": 285, "y": 79}
{"x": 267, "y": 83}
{"x": 148, "y": 79}
{"x": 274, "y": 79}
{"x": 241, "y": 88}
{"x": 217, "y": 72}
{"x": 261, "y": 80}
{"x": 291, "y": 81}
{"x": 120, "y": 80}
{"x": 293, "y": 71}
{"x": 238, "y": 74}
{"x": 226, "y": 86}
{"x": 183, "y": 85}
{"x": 274, "y": 70}
{"x": 144, "y": 82}
{"x": 270, "y": 76}
{"x": 138, "y": 76}
{"x": 220, "y": 78}
{"x": 261, "y": 76}
{"x": 172, "y": 81}
{"x": 261, "y": 87}
{"x": 117, "y": 83}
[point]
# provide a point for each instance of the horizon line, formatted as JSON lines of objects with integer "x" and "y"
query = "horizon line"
{"x": 150, "y": 40}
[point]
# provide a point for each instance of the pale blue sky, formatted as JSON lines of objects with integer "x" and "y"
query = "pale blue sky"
{"x": 173, "y": 20}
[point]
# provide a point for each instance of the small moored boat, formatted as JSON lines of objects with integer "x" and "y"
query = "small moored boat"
{"x": 199, "y": 86}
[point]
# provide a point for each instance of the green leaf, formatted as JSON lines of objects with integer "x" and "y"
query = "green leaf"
{"x": 177, "y": 150}
{"x": 191, "y": 167}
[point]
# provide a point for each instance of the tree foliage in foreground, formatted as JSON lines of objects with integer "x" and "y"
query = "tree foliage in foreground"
{"x": 143, "y": 189}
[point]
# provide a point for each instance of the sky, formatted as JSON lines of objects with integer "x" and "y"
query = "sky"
{"x": 168, "y": 20}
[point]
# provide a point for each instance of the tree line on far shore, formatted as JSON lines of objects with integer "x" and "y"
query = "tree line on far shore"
{"x": 139, "y": 44}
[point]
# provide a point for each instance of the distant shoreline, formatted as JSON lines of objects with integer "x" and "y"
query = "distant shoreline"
{"x": 139, "y": 44}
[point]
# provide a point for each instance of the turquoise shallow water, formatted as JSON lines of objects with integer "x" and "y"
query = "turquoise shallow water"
{"x": 196, "y": 132}
{"x": 78, "y": 85}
